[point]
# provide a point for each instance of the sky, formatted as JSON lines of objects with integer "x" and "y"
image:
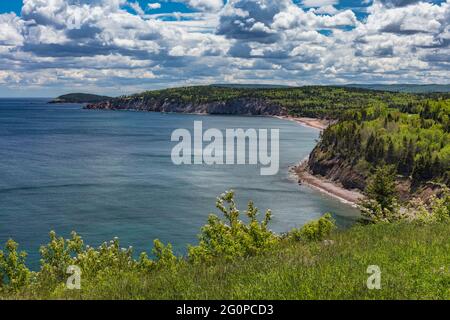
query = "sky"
{"x": 115, "y": 47}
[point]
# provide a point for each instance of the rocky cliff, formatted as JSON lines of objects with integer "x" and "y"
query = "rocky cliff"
{"x": 346, "y": 174}
{"x": 335, "y": 169}
{"x": 241, "y": 106}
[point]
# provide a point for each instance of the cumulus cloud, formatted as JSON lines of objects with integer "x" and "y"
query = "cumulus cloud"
{"x": 398, "y": 3}
{"x": 319, "y": 3}
{"x": 70, "y": 43}
{"x": 155, "y": 5}
{"x": 137, "y": 8}
{"x": 10, "y": 30}
{"x": 251, "y": 20}
{"x": 328, "y": 9}
{"x": 204, "y": 5}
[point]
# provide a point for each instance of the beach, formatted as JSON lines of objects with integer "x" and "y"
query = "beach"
{"x": 320, "y": 124}
{"x": 333, "y": 189}
{"x": 321, "y": 184}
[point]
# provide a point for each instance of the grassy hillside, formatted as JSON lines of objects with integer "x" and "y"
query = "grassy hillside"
{"x": 238, "y": 260}
{"x": 414, "y": 262}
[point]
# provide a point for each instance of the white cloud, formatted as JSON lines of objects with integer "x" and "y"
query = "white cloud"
{"x": 155, "y": 5}
{"x": 10, "y": 30}
{"x": 137, "y": 8}
{"x": 328, "y": 9}
{"x": 68, "y": 43}
{"x": 319, "y": 3}
{"x": 204, "y": 5}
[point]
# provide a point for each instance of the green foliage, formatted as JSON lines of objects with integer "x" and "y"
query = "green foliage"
{"x": 14, "y": 274}
{"x": 58, "y": 254}
{"x": 381, "y": 204}
{"x": 373, "y": 212}
{"x": 164, "y": 255}
{"x": 381, "y": 187}
{"x": 441, "y": 206}
{"x": 436, "y": 210}
{"x": 413, "y": 137}
{"x": 245, "y": 260}
{"x": 80, "y": 98}
{"x": 233, "y": 238}
{"x": 413, "y": 259}
{"x": 315, "y": 230}
{"x": 309, "y": 101}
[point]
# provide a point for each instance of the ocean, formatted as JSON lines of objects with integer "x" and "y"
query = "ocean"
{"x": 109, "y": 174}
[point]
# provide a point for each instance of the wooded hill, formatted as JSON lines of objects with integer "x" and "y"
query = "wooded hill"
{"x": 312, "y": 101}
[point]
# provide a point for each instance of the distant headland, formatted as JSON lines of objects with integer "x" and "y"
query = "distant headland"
{"x": 79, "y": 98}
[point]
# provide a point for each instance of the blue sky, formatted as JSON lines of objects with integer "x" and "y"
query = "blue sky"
{"x": 119, "y": 46}
{"x": 16, "y": 6}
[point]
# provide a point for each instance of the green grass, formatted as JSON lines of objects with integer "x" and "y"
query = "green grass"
{"x": 414, "y": 262}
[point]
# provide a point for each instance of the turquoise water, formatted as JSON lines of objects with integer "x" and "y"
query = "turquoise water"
{"x": 107, "y": 174}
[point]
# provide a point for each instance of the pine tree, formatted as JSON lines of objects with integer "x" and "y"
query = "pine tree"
{"x": 381, "y": 187}
{"x": 390, "y": 156}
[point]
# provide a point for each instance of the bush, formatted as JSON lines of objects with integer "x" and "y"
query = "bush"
{"x": 110, "y": 271}
{"x": 13, "y": 272}
{"x": 233, "y": 238}
{"x": 437, "y": 209}
{"x": 59, "y": 254}
{"x": 315, "y": 230}
{"x": 441, "y": 206}
{"x": 164, "y": 255}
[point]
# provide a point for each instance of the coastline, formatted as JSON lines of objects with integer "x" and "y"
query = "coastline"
{"x": 330, "y": 188}
{"x": 304, "y": 177}
{"x": 314, "y": 123}
{"x": 300, "y": 171}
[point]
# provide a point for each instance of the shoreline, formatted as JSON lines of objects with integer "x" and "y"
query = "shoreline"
{"x": 314, "y": 123}
{"x": 330, "y": 188}
{"x": 304, "y": 177}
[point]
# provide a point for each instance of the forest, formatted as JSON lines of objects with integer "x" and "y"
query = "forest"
{"x": 414, "y": 138}
{"x": 310, "y": 101}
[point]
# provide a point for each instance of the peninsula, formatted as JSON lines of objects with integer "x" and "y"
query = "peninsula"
{"x": 79, "y": 98}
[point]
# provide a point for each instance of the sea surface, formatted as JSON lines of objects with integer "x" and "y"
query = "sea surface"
{"x": 108, "y": 173}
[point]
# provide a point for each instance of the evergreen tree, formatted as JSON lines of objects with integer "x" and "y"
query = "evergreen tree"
{"x": 390, "y": 156}
{"x": 381, "y": 187}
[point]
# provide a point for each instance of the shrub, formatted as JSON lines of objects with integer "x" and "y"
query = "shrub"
{"x": 58, "y": 254}
{"x": 438, "y": 209}
{"x": 233, "y": 238}
{"x": 315, "y": 230}
{"x": 164, "y": 255}
{"x": 373, "y": 212}
{"x": 13, "y": 272}
{"x": 441, "y": 206}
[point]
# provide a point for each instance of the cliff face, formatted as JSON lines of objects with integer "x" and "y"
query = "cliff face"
{"x": 335, "y": 169}
{"x": 341, "y": 171}
{"x": 242, "y": 106}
